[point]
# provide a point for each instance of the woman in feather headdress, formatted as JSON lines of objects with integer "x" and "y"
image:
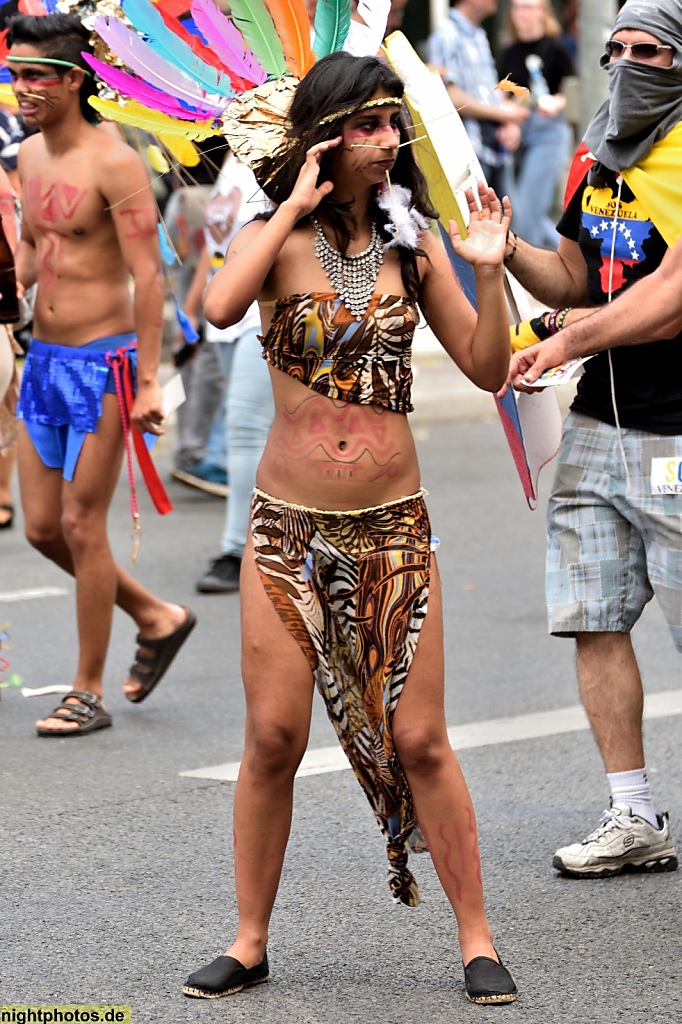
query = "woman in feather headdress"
{"x": 338, "y": 571}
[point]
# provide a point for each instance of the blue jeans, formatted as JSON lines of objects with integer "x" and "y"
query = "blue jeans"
{"x": 542, "y": 158}
{"x": 250, "y": 410}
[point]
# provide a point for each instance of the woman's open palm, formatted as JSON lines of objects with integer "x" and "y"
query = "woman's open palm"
{"x": 489, "y": 222}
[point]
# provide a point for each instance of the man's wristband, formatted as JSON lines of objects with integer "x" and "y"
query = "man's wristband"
{"x": 540, "y": 328}
{"x": 510, "y": 256}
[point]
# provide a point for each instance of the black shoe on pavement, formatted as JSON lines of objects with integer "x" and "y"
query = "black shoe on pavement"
{"x": 488, "y": 982}
{"x": 224, "y": 976}
{"x": 222, "y": 576}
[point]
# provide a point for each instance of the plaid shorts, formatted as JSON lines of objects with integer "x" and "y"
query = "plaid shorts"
{"x": 612, "y": 545}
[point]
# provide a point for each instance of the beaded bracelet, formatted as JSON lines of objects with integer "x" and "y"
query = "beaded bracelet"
{"x": 561, "y": 319}
{"x": 510, "y": 257}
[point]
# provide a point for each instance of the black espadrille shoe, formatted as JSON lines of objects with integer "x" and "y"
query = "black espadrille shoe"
{"x": 224, "y": 977}
{"x": 488, "y": 982}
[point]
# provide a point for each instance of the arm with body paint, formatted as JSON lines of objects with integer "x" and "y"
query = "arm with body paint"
{"x": 129, "y": 197}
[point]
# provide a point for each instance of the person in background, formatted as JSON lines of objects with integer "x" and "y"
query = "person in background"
{"x": 615, "y": 514}
{"x": 460, "y": 50}
{"x": 396, "y": 16}
{"x": 9, "y": 378}
{"x": 538, "y": 60}
{"x": 248, "y": 405}
{"x": 11, "y": 135}
{"x": 198, "y": 452}
{"x": 569, "y": 32}
{"x": 89, "y": 225}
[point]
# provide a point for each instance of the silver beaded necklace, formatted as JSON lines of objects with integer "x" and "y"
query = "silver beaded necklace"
{"x": 353, "y": 277}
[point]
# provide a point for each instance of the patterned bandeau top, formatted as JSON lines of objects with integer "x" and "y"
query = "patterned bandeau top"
{"x": 315, "y": 339}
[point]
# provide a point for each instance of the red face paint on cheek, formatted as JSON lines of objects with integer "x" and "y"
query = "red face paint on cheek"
{"x": 377, "y": 137}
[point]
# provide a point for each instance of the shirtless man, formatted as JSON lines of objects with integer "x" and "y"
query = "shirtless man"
{"x": 89, "y": 224}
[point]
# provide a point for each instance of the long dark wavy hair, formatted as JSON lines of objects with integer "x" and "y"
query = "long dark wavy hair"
{"x": 336, "y": 84}
{"x": 63, "y": 37}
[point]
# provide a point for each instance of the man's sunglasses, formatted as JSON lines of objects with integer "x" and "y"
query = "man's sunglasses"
{"x": 638, "y": 51}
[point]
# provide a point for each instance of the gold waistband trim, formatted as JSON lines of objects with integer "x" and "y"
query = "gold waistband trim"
{"x": 339, "y": 512}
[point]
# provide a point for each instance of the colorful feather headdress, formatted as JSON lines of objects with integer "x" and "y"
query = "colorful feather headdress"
{"x": 184, "y": 79}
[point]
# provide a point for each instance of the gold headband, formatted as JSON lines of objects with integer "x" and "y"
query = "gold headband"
{"x": 384, "y": 101}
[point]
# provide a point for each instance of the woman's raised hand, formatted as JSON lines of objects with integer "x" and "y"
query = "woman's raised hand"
{"x": 488, "y": 226}
{"x": 307, "y": 194}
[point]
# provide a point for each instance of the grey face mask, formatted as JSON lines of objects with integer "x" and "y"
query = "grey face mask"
{"x": 644, "y": 103}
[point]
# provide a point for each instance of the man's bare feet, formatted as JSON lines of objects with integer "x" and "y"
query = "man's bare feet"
{"x": 80, "y": 711}
{"x": 56, "y": 721}
{"x": 165, "y": 634}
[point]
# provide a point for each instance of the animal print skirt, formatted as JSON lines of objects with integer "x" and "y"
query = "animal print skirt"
{"x": 352, "y": 589}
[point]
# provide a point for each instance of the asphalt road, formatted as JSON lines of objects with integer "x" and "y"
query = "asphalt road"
{"x": 116, "y": 870}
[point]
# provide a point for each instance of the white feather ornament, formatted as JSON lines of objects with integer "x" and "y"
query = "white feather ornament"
{"x": 404, "y": 223}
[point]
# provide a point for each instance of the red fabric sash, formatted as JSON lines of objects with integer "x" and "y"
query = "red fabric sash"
{"x": 123, "y": 377}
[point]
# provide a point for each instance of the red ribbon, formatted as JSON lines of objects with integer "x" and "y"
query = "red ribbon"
{"x": 119, "y": 362}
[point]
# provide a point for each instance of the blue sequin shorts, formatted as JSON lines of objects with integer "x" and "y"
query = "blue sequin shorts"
{"x": 62, "y": 389}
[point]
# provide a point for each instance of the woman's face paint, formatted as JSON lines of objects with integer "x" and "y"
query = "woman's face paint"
{"x": 377, "y": 129}
{"x": 371, "y": 139}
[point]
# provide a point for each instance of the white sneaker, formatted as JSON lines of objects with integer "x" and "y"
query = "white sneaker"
{"x": 623, "y": 842}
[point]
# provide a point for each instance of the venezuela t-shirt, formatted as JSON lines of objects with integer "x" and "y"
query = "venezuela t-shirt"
{"x": 648, "y": 387}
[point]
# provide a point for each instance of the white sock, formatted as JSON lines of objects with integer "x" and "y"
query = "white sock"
{"x": 633, "y": 789}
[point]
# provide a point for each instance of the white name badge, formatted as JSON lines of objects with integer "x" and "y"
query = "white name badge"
{"x": 666, "y": 476}
{"x": 173, "y": 394}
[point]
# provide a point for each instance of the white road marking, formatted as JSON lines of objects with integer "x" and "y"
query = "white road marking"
{"x": 10, "y": 596}
{"x": 465, "y": 737}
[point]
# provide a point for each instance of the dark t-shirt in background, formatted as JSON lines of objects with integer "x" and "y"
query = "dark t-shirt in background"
{"x": 556, "y": 61}
{"x": 648, "y": 385}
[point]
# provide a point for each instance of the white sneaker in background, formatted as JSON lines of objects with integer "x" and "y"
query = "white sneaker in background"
{"x": 622, "y": 842}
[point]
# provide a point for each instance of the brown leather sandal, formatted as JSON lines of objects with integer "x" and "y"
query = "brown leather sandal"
{"x": 88, "y": 712}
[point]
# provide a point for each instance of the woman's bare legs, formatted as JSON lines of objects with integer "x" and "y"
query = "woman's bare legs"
{"x": 278, "y": 684}
{"x": 441, "y": 797}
